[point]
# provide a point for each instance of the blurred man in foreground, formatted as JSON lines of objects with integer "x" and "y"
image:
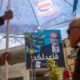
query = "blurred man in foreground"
{"x": 74, "y": 36}
{"x": 7, "y": 16}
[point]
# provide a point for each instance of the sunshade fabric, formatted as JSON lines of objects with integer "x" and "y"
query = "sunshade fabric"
{"x": 29, "y": 14}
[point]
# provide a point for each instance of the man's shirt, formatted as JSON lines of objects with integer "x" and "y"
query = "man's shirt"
{"x": 55, "y": 49}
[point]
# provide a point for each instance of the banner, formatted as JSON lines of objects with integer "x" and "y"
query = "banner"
{"x": 46, "y": 44}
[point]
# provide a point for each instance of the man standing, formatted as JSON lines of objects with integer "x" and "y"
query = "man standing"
{"x": 74, "y": 36}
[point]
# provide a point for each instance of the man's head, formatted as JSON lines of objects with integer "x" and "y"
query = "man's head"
{"x": 54, "y": 38}
{"x": 74, "y": 32}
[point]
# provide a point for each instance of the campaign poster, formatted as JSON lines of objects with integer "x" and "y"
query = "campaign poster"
{"x": 45, "y": 44}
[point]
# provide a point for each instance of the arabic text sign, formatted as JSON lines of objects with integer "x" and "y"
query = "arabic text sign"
{"x": 43, "y": 50}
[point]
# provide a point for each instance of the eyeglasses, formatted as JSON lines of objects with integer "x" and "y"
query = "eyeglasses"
{"x": 73, "y": 28}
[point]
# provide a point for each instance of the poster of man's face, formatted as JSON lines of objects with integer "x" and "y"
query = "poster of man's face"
{"x": 54, "y": 38}
{"x": 46, "y": 44}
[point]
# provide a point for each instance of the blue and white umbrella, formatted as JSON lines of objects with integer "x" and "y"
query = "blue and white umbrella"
{"x": 30, "y": 14}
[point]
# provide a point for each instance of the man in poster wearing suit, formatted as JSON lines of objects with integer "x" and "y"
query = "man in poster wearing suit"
{"x": 53, "y": 50}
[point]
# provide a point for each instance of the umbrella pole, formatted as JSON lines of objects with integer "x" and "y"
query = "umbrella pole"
{"x": 6, "y": 75}
{"x": 7, "y": 50}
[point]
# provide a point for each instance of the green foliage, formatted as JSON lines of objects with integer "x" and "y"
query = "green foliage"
{"x": 54, "y": 71}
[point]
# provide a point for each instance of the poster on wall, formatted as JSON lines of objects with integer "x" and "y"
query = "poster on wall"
{"x": 46, "y": 44}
